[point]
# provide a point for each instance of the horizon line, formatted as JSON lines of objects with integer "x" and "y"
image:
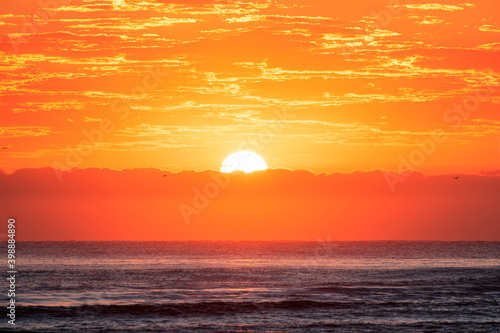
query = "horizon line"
{"x": 268, "y": 241}
{"x": 237, "y": 172}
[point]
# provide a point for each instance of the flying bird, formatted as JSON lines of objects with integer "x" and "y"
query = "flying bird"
{"x": 3, "y": 148}
{"x": 456, "y": 177}
{"x": 165, "y": 175}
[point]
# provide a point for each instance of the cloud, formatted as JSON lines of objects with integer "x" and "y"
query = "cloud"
{"x": 437, "y": 6}
{"x": 24, "y": 131}
{"x": 274, "y": 204}
{"x": 490, "y": 28}
{"x": 490, "y": 173}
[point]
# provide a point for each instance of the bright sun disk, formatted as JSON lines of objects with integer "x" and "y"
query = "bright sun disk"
{"x": 243, "y": 161}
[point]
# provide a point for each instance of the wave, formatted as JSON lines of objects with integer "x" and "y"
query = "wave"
{"x": 223, "y": 308}
{"x": 174, "y": 309}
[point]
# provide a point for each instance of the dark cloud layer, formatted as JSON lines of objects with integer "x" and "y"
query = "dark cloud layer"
{"x": 150, "y": 204}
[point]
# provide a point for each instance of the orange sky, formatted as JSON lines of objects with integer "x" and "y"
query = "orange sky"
{"x": 324, "y": 86}
{"x": 360, "y": 90}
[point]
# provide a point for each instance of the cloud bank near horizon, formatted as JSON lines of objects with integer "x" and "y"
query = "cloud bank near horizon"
{"x": 150, "y": 204}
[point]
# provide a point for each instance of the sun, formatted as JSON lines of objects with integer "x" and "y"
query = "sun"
{"x": 243, "y": 161}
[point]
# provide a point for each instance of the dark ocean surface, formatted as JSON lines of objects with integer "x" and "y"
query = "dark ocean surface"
{"x": 256, "y": 287}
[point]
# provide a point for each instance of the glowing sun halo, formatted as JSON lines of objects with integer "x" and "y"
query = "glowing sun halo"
{"x": 243, "y": 161}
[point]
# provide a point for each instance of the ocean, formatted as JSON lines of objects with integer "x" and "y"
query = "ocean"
{"x": 378, "y": 286}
